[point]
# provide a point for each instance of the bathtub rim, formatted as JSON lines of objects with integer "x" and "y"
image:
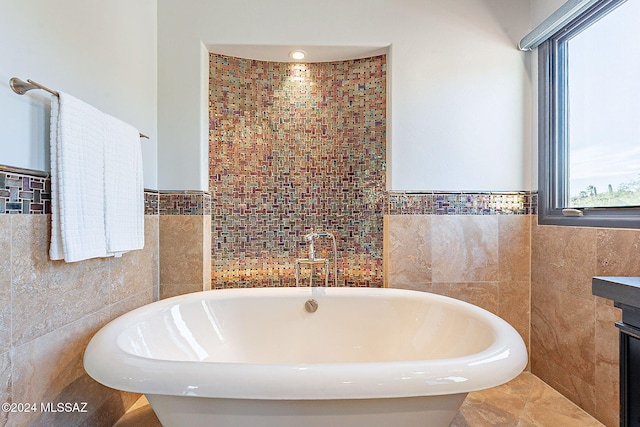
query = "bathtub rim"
{"x": 110, "y": 365}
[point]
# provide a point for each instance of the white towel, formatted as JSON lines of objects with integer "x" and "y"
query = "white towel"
{"x": 77, "y": 173}
{"x": 124, "y": 189}
{"x": 82, "y": 194}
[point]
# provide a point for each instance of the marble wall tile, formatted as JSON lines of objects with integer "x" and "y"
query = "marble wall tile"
{"x": 206, "y": 252}
{"x": 464, "y": 248}
{"x": 152, "y": 245}
{"x": 618, "y": 252}
{"x": 412, "y": 286}
{"x": 5, "y": 283}
{"x": 5, "y": 384}
{"x": 562, "y": 324}
{"x": 175, "y": 289}
{"x": 136, "y": 272}
{"x": 563, "y": 343}
{"x": 606, "y": 333}
{"x": 514, "y": 248}
{"x": 482, "y": 294}
{"x": 563, "y": 258}
{"x": 50, "y": 369}
{"x": 408, "y": 248}
{"x": 181, "y": 257}
{"x": 607, "y": 366}
{"x": 125, "y": 277}
{"x": 125, "y": 305}
{"x": 64, "y": 291}
{"x": 514, "y": 306}
{"x": 563, "y": 261}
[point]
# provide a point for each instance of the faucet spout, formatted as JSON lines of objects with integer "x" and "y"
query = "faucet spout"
{"x": 310, "y": 238}
{"x": 312, "y": 250}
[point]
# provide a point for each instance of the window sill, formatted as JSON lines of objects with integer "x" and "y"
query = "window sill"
{"x": 594, "y": 217}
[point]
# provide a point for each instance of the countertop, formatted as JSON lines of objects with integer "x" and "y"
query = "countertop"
{"x": 622, "y": 289}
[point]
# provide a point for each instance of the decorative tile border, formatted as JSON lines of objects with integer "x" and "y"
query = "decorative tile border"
{"x": 28, "y": 192}
{"x": 22, "y": 192}
{"x": 184, "y": 203}
{"x": 441, "y": 203}
{"x": 151, "y": 205}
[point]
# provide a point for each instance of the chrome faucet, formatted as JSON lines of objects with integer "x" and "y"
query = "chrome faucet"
{"x": 312, "y": 261}
{"x": 309, "y": 238}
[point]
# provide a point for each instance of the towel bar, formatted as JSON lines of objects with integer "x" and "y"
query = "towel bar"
{"x": 20, "y": 87}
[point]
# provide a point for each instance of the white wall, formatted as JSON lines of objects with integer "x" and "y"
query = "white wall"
{"x": 103, "y": 52}
{"x": 460, "y": 105}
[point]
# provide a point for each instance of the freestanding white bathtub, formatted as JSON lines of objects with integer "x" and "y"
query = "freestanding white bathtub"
{"x": 257, "y": 358}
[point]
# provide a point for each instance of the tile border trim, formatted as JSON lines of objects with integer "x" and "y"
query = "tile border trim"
{"x": 23, "y": 191}
{"x": 26, "y": 191}
{"x": 187, "y": 202}
{"x": 462, "y": 203}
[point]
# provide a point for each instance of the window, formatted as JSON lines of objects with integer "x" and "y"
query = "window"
{"x": 589, "y": 116}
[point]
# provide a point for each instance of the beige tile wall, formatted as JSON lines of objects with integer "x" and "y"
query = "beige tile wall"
{"x": 185, "y": 254}
{"x": 48, "y": 312}
{"x": 573, "y": 338}
{"x": 484, "y": 260}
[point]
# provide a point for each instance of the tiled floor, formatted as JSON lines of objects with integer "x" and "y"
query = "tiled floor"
{"x": 524, "y": 402}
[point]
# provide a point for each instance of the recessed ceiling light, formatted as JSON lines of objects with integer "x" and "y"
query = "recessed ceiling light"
{"x": 297, "y": 54}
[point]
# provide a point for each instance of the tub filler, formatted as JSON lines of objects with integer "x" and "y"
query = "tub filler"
{"x": 306, "y": 357}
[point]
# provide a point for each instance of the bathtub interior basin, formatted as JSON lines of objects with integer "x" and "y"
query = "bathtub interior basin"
{"x": 353, "y": 327}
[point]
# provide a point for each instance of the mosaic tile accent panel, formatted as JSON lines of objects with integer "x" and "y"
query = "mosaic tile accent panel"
{"x": 516, "y": 203}
{"x": 22, "y": 193}
{"x": 296, "y": 148}
{"x": 185, "y": 203}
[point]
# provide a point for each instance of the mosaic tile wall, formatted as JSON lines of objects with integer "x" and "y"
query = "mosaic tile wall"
{"x": 296, "y": 148}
